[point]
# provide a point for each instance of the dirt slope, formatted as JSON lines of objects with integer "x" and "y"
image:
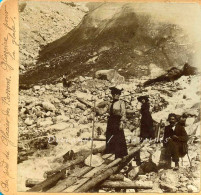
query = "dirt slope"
{"x": 42, "y": 23}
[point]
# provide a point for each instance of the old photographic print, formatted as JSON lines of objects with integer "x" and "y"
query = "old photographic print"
{"x": 109, "y": 97}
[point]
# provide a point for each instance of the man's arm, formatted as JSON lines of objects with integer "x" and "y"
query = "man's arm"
{"x": 183, "y": 136}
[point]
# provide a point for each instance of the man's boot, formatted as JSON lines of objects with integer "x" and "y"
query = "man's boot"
{"x": 176, "y": 166}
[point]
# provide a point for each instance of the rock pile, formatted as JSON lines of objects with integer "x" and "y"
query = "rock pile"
{"x": 54, "y": 111}
{"x": 46, "y": 109}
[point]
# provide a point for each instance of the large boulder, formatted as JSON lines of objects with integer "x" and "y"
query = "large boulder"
{"x": 96, "y": 161}
{"x": 155, "y": 71}
{"x": 110, "y": 75}
{"x": 169, "y": 180}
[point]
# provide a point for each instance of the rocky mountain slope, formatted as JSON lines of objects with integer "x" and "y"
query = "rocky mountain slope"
{"x": 113, "y": 35}
{"x": 42, "y": 23}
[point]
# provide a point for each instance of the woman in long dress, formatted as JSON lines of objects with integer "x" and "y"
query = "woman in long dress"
{"x": 146, "y": 126}
{"x": 115, "y": 138}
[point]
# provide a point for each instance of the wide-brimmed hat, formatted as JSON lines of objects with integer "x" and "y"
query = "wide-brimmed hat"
{"x": 116, "y": 89}
{"x": 184, "y": 115}
{"x": 145, "y": 97}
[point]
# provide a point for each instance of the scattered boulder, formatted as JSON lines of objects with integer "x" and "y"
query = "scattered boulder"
{"x": 168, "y": 187}
{"x": 29, "y": 122}
{"x": 169, "y": 177}
{"x": 148, "y": 167}
{"x": 45, "y": 123}
{"x": 133, "y": 173}
{"x": 156, "y": 156}
{"x": 110, "y": 75}
{"x": 62, "y": 118}
{"x": 48, "y": 106}
{"x": 36, "y": 87}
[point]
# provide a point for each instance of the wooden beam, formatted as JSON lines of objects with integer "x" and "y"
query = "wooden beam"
{"x": 116, "y": 177}
{"x": 109, "y": 170}
{"x": 127, "y": 185}
{"x": 51, "y": 181}
{"x": 75, "y": 177}
{"x": 70, "y": 180}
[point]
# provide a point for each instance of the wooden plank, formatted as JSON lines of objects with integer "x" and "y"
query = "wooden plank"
{"x": 85, "y": 178}
{"x": 94, "y": 171}
{"x": 70, "y": 180}
{"x": 76, "y": 186}
{"x": 109, "y": 170}
{"x": 81, "y": 171}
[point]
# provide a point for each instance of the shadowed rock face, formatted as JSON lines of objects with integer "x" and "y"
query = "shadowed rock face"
{"x": 173, "y": 74}
{"x": 112, "y": 36}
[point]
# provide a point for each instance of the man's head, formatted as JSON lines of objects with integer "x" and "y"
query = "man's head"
{"x": 172, "y": 119}
{"x": 183, "y": 118}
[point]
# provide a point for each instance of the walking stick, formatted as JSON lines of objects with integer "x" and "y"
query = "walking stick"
{"x": 92, "y": 139}
{"x": 159, "y": 131}
{"x": 189, "y": 159}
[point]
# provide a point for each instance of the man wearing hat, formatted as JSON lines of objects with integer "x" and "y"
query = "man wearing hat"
{"x": 115, "y": 138}
{"x": 175, "y": 140}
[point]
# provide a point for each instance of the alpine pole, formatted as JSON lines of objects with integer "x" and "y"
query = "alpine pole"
{"x": 93, "y": 125}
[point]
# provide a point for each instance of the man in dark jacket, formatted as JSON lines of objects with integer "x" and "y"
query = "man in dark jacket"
{"x": 175, "y": 140}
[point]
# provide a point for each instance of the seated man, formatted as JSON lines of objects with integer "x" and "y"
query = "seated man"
{"x": 175, "y": 140}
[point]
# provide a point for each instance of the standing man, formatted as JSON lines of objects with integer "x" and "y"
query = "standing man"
{"x": 175, "y": 141}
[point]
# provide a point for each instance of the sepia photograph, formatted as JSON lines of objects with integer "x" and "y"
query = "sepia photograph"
{"x": 109, "y": 97}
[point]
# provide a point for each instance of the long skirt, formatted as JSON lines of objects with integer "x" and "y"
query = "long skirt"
{"x": 115, "y": 138}
{"x": 146, "y": 128}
